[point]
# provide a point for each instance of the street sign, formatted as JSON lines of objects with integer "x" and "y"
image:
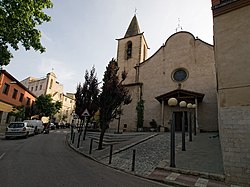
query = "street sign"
{"x": 85, "y": 113}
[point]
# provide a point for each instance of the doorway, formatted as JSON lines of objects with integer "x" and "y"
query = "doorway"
{"x": 178, "y": 121}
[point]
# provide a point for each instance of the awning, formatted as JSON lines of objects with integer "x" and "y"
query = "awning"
{"x": 181, "y": 95}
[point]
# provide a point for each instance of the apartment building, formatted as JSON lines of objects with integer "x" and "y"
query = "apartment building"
{"x": 50, "y": 85}
{"x": 12, "y": 93}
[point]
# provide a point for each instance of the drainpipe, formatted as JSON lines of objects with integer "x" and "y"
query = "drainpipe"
{"x": 162, "y": 113}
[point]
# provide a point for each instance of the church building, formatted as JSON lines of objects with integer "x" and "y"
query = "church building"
{"x": 183, "y": 68}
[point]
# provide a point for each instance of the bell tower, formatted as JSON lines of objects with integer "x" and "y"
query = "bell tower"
{"x": 131, "y": 51}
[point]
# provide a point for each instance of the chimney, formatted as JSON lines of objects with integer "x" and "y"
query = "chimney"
{"x": 215, "y": 2}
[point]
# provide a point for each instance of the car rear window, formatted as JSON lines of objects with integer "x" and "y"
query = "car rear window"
{"x": 16, "y": 125}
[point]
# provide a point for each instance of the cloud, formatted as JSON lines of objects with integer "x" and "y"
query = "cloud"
{"x": 60, "y": 68}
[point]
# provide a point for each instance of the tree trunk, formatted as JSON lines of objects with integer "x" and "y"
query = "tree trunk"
{"x": 101, "y": 137}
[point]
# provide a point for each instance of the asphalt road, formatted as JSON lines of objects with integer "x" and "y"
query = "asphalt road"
{"x": 46, "y": 160}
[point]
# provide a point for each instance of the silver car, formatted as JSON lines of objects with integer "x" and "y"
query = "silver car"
{"x": 19, "y": 129}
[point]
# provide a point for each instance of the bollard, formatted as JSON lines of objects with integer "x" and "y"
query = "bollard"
{"x": 133, "y": 161}
{"x": 110, "y": 153}
{"x": 73, "y": 139}
{"x": 90, "y": 146}
{"x": 79, "y": 137}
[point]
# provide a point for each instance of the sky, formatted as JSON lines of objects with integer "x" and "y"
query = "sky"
{"x": 83, "y": 34}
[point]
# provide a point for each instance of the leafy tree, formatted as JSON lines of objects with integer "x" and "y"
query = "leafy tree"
{"x": 18, "y": 112}
{"x": 87, "y": 96}
{"x": 18, "y": 20}
{"x": 140, "y": 113}
{"x": 22, "y": 111}
{"x": 113, "y": 95}
{"x": 46, "y": 107}
{"x": 64, "y": 117}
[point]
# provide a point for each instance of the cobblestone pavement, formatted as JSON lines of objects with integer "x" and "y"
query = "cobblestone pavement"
{"x": 148, "y": 155}
{"x": 200, "y": 165}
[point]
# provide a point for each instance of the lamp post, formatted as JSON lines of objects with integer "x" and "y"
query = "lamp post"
{"x": 189, "y": 106}
{"x": 183, "y": 104}
{"x": 172, "y": 102}
{"x": 119, "y": 113}
{"x": 194, "y": 107}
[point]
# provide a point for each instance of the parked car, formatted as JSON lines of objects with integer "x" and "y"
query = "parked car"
{"x": 19, "y": 129}
{"x": 37, "y": 124}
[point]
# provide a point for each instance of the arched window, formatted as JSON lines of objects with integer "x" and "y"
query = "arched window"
{"x": 129, "y": 50}
{"x": 51, "y": 83}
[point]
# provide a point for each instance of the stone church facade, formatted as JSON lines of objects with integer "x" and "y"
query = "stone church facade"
{"x": 184, "y": 68}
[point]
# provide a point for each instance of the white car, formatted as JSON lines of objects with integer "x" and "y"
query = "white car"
{"x": 19, "y": 129}
{"x": 37, "y": 124}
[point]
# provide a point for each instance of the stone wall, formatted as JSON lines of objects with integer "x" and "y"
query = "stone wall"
{"x": 232, "y": 41}
{"x": 235, "y": 143}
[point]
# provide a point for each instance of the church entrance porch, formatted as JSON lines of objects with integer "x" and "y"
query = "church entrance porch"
{"x": 190, "y": 97}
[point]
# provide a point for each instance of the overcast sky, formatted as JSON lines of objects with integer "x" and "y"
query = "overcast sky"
{"x": 82, "y": 34}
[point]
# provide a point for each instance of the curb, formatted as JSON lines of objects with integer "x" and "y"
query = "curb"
{"x": 186, "y": 178}
{"x": 2, "y": 135}
{"x": 172, "y": 183}
{"x": 206, "y": 175}
{"x": 79, "y": 152}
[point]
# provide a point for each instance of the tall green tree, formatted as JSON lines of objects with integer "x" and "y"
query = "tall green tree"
{"x": 113, "y": 95}
{"x": 18, "y": 24}
{"x": 87, "y": 96}
{"x": 46, "y": 107}
{"x": 19, "y": 112}
{"x": 22, "y": 112}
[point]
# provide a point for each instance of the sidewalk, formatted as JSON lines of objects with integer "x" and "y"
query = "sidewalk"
{"x": 200, "y": 165}
{"x": 2, "y": 136}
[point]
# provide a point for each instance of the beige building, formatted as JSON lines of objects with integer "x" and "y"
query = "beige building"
{"x": 67, "y": 108}
{"x": 183, "y": 68}
{"x": 232, "y": 56}
{"x": 50, "y": 85}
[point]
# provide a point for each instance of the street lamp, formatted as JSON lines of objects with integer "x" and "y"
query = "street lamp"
{"x": 194, "y": 107}
{"x": 183, "y": 104}
{"x": 172, "y": 102}
{"x": 190, "y": 106}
